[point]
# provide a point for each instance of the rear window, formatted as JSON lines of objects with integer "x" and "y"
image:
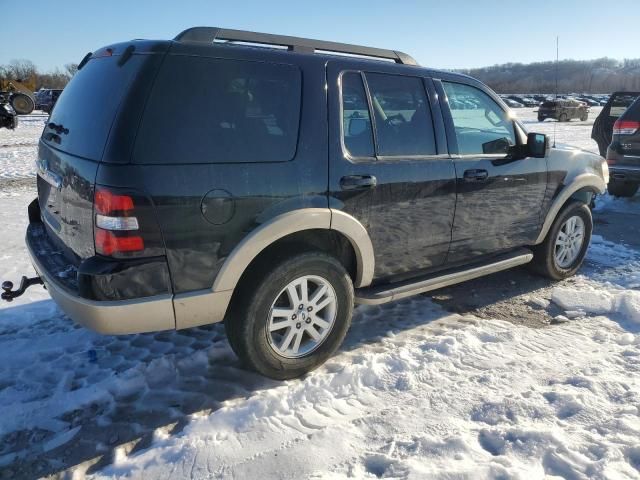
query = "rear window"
{"x": 82, "y": 118}
{"x": 205, "y": 110}
{"x": 620, "y": 102}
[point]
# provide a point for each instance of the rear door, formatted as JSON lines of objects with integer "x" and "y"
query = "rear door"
{"x": 626, "y": 140}
{"x": 73, "y": 144}
{"x": 499, "y": 200}
{"x": 389, "y": 166}
{"x": 603, "y": 126}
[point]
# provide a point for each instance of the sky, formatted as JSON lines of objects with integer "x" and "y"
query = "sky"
{"x": 440, "y": 34}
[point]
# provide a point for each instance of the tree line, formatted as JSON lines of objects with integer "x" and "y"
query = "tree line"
{"x": 602, "y": 75}
{"x": 26, "y": 70}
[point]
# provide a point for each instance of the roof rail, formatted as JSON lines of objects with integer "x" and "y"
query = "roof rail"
{"x": 295, "y": 44}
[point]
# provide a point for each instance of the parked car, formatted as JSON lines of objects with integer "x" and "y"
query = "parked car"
{"x": 8, "y": 116}
{"x": 623, "y": 154}
{"x": 563, "y": 110}
{"x": 589, "y": 101}
{"x": 602, "y": 130}
{"x": 46, "y": 99}
{"x": 512, "y": 103}
{"x": 523, "y": 100}
{"x": 280, "y": 186}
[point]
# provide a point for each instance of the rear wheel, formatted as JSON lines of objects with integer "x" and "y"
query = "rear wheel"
{"x": 22, "y": 104}
{"x": 562, "y": 252}
{"x": 584, "y": 117}
{"x": 563, "y": 117}
{"x": 290, "y": 319}
{"x": 622, "y": 189}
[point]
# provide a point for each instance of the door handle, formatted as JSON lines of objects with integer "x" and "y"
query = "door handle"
{"x": 355, "y": 182}
{"x": 475, "y": 175}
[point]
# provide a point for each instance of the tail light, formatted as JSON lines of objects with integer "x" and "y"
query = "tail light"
{"x": 625, "y": 127}
{"x": 125, "y": 224}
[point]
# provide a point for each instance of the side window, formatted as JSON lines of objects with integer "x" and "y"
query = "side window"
{"x": 356, "y": 122}
{"x": 481, "y": 125}
{"x": 224, "y": 111}
{"x": 402, "y": 115}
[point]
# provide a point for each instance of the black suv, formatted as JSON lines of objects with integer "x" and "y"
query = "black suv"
{"x": 563, "y": 110}
{"x": 279, "y": 186}
{"x": 46, "y": 99}
{"x": 602, "y": 130}
{"x": 623, "y": 155}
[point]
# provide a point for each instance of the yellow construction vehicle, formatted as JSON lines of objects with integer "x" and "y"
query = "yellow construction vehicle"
{"x": 19, "y": 94}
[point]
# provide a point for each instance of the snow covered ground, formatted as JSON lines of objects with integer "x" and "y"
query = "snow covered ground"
{"x": 415, "y": 392}
{"x": 18, "y": 147}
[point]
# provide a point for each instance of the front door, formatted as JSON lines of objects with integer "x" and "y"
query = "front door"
{"x": 499, "y": 201}
{"x": 389, "y": 166}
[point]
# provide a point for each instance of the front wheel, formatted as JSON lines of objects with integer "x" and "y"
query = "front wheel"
{"x": 562, "y": 252}
{"x": 563, "y": 118}
{"x": 292, "y": 316}
{"x": 622, "y": 189}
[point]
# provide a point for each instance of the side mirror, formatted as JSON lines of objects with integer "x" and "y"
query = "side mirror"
{"x": 537, "y": 145}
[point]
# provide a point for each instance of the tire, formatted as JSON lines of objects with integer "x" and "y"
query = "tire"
{"x": 545, "y": 256}
{"x": 250, "y": 317}
{"x": 541, "y": 119}
{"x": 563, "y": 118}
{"x": 622, "y": 189}
{"x": 584, "y": 118}
{"x": 22, "y": 104}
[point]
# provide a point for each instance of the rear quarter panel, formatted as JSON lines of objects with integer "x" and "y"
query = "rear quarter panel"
{"x": 238, "y": 197}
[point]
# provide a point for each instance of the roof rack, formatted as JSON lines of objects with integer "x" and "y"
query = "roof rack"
{"x": 304, "y": 45}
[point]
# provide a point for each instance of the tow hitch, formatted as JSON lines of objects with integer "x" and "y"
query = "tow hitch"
{"x": 9, "y": 294}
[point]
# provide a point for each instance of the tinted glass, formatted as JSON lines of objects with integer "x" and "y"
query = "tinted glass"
{"x": 402, "y": 115}
{"x": 481, "y": 126}
{"x": 356, "y": 122}
{"x": 620, "y": 102}
{"x": 88, "y": 105}
{"x": 204, "y": 110}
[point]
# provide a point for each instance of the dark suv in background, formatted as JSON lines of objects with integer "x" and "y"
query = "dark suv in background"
{"x": 279, "y": 186}
{"x": 623, "y": 154}
{"x": 602, "y": 130}
{"x": 563, "y": 110}
{"x": 46, "y": 99}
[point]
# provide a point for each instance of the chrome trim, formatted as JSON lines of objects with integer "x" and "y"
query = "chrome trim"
{"x": 47, "y": 175}
{"x": 585, "y": 180}
{"x": 434, "y": 283}
{"x": 115, "y": 317}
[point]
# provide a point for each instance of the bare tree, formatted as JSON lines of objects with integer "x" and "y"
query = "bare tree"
{"x": 71, "y": 69}
{"x": 20, "y": 69}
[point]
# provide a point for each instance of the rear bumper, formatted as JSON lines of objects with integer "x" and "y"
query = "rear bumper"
{"x": 624, "y": 173}
{"x": 122, "y": 316}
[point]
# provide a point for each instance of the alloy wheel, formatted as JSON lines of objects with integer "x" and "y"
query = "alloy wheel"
{"x": 569, "y": 242}
{"x": 302, "y": 316}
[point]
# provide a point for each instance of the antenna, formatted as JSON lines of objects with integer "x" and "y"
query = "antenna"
{"x": 557, "y": 57}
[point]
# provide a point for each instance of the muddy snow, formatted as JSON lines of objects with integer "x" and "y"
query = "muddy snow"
{"x": 510, "y": 376}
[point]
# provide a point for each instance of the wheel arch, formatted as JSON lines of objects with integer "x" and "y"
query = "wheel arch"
{"x": 580, "y": 188}
{"x": 290, "y": 223}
